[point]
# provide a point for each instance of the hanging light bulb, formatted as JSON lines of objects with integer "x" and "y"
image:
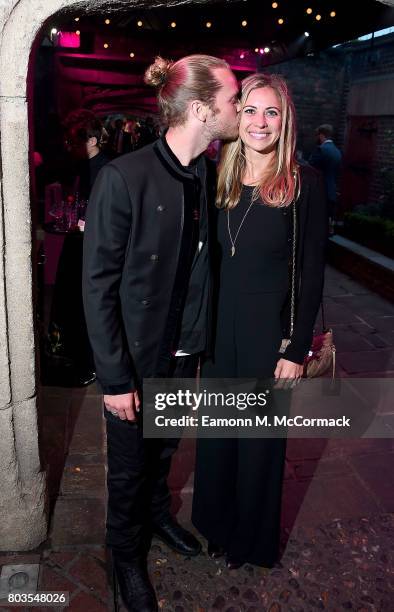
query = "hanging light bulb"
{"x": 333, "y": 14}
{"x": 281, "y": 21}
{"x": 76, "y": 19}
{"x": 208, "y": 24}
{"x": 132, "y": 54}
{"x": 275, "y": 5}
{"x": 106, "y": 45}
{"x": 244, "y": 23}
{"x": 267, "y": 49}
{"x": 318, "y": 17}
{"x": 139, "y": 23}
{"x": 107, "y": 21}
{"x": 309, "y": 11}
{"x": 173, "y": 24}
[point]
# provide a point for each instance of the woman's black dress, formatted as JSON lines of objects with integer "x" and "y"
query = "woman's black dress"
{"x": 238, "y": 482}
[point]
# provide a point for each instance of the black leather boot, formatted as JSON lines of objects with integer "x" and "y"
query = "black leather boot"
{"x": 134, "y": 584}
{"x": 215, "y": 551}
{"x": 176, "y": 537}
{"x": 233, "y": 564}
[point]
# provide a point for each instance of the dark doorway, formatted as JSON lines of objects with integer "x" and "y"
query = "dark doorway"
{"x": 359, "y": 158}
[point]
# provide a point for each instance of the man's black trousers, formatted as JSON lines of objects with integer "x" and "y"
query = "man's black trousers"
{"x": 138, "y": 468}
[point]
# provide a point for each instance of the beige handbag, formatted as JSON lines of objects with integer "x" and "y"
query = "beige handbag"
{"x": 321, "y": 356}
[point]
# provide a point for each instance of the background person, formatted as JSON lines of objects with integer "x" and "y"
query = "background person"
{"x": 67, "y": 327}
{"x": 85, "y": 138}
{"x": 327, "y": 158}
{"x": 120, "y": 140}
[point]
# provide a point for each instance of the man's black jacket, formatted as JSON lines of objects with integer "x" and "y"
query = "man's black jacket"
{"x": 132, "y": 252}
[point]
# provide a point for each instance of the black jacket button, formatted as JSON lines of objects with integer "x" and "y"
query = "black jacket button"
{"x": 137, "y": 343}
{"x": 145, "y": 302}
{"x": 160, "y": 208}
{"x": 154, "y": 257}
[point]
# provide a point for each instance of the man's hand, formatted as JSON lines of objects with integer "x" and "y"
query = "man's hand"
{"x": 125, "y": 406}
{"x": 287, "y": 374}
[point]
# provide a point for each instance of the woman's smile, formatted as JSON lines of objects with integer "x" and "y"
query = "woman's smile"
{"x": 259, "y": 135}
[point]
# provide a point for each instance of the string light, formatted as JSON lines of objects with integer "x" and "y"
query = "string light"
{"x": 318, "y": 17}
{"x": 244, "y": 23}
{"x": 107, "y": 21}
{"x": 275, "y": 5}
{"x": 309, "y": 11}
{"x": 76, "y": 19}
{"x": 139, "y": 24}
{"x": 242, "y": 56}
{"x": 173, "y": 24}
{"x": 281, "y": 21}
{"x": 306, "y": 34}
{"x": 262, "y": 51}
{"x": 106, "y": 45}
{"x": 267, "y": 49}
{"x": 333, "y": 14}
{"x": 256, "y": 50}
{"x": 208, "y": 24}
{"x": 54, "y": 31}
{"x": 78, "y": 33}
{"x": 132, "y": 54}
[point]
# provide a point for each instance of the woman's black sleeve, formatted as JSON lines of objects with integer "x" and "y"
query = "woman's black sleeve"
{"x": 312, "y": 271}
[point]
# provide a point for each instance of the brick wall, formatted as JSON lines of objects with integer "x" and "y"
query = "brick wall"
{"x": 317, "y": 84}
{"x": 320, "y": 86}
{"x": 384, "y": 159}
{"x": 373, "y": 58}
{"x": 369, "y": 61}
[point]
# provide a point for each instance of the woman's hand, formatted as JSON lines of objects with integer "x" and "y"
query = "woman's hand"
{"x": 287, "y": 374}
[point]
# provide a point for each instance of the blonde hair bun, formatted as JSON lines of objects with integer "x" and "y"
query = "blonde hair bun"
{"x": 157, "y": 73}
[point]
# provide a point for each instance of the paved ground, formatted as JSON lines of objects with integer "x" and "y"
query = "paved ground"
{"x": 338, "y": 501}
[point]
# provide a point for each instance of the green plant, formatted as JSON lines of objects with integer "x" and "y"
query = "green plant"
{"x": 374, "y": 232}
{"x": 387, "y": 204}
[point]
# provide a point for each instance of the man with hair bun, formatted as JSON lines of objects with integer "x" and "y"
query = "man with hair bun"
{"x": 146, "y": 294}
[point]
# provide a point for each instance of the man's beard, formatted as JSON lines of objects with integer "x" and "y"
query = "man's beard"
{"x": 222, "y": 131}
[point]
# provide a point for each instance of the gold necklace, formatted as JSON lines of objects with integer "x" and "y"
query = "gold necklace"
{"x": 239, "y": 228}
{"x": 243, "y": 219}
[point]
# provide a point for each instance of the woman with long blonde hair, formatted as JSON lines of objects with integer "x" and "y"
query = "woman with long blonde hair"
{"x": 261, "y": 192}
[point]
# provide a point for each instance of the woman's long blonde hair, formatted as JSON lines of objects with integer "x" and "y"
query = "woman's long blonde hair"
{"x": 281, "y": 185}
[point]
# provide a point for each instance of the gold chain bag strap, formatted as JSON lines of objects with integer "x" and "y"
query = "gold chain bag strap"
{"x": 321, "y": 356}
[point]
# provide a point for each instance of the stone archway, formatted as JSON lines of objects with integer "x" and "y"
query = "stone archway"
{"x": 23, "y": 522}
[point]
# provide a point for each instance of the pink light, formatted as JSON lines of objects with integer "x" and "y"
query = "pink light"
{"x": 242, "y": 56}
{"x": 262, "y": 51}
{"x": 70, "y": 40}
